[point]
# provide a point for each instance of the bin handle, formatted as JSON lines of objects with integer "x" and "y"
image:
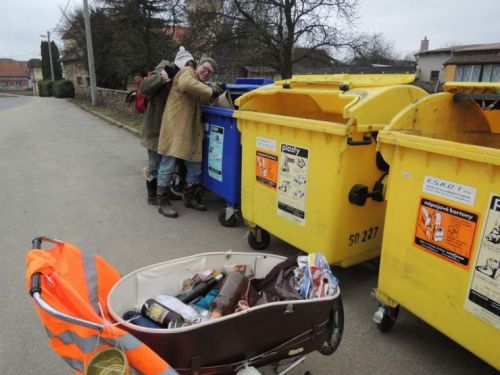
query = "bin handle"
{"x": 36, "y": 293}
{"x": 493, "y": 98}
{"x": 367, "y": 140}
{"x": 460, "y": 97}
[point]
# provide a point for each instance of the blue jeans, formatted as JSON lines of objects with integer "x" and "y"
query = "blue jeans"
{"x": 154, "y": 160}
{"x": 167, "y": 169}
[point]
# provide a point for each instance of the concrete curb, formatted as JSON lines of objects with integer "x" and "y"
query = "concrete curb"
{"x": 110, "y": 120}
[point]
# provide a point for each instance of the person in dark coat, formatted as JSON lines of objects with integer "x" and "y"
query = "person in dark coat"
{"x": 157, "y": 88}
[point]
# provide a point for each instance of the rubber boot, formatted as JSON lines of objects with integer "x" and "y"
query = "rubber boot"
{"x": 192, "y": 198}
{"x": 164, "y": 203}
{"x": 151, "y": 186}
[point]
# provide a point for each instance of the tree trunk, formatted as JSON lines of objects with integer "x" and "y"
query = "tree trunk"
{"x": 286, "y": 68}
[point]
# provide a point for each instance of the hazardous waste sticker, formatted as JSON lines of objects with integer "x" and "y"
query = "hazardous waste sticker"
{"x": 445, "y": 231}
{"x": 266, "y": 169}
{"x": 483, "y": 295}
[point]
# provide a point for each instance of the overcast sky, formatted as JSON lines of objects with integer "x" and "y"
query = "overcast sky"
{"x": 402, "y": 22}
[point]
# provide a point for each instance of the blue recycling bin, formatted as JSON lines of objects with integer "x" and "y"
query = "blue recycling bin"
{"x": 222, "y": 151}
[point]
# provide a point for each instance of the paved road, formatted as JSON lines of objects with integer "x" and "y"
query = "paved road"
{"x": 67, "y": 174}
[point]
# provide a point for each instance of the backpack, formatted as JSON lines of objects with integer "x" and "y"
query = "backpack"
{"x": 141, "y": 102}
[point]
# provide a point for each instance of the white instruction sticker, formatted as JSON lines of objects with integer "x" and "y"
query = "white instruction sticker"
{"x": 483, "y": 295}
{"x": 450, "y": 190}
{"x": 292, "y": 183}
{"x": 266, "y": 144}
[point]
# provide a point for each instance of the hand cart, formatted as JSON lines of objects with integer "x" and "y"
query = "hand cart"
{"x": 235, "y": 344}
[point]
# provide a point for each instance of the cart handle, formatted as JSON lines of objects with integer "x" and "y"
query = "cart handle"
{"x": 36, "y": 293}
{"x": 37, "y": 241}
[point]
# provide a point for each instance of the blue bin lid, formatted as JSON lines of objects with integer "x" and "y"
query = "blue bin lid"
{"x": 244, "y": 85}
{"x": 217, "y": 111}
{"x": 233, "y": 87}
{"x": 253, "y": 81}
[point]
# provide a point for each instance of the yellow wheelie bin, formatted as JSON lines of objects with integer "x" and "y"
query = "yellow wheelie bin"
{"x": 310, "y": 174}
{"x": 441, "y": 249}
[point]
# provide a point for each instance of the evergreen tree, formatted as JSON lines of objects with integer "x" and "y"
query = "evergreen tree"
{"x": 127, "y": 39}
{"x": 56, "y": 61}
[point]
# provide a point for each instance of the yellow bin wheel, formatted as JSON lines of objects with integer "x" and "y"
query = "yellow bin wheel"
{"x": 259, "y": 239}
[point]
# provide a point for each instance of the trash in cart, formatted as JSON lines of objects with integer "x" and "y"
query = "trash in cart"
{"x": 262, "y": 308}
{"x": 233, "y": 290}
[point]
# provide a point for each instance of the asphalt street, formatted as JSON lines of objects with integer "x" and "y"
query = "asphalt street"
{"x": 67, "y": 174}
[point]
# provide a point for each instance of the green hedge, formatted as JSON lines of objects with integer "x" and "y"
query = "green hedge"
{"x": 45, "y": 87}
{"x": 64, "y": 89}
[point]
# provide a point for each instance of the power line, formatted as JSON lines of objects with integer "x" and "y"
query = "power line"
{"x": 63, "y": 15}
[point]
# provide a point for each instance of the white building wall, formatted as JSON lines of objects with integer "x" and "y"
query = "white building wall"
{"x": 428, "y": 63}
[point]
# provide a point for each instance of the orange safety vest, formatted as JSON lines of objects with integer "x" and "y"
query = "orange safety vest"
{"x": 75, "y": 282}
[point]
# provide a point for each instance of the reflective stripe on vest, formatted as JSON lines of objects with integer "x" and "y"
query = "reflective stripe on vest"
{"x": 88, "y": 344}
{"x": 90, "y": 271}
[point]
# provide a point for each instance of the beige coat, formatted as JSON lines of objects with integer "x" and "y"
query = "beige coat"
{"x": 181, "y": 133}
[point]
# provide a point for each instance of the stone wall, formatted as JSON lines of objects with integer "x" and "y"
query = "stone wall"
{"x": 114, "y": 99}
{"x": 82, "y": 92}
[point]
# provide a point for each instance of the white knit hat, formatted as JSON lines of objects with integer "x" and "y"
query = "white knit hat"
{"x": 182, "y": 57}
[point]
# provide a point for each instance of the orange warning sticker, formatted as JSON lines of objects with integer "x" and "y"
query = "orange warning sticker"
{"x": 266, "y": 169}
{"x": 445, "y": 231}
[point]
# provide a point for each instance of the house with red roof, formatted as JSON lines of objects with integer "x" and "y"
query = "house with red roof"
{"x": 14, "y": 75}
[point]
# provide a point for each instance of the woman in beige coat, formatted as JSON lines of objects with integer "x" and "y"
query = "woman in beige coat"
{"x": 181, "y": 134}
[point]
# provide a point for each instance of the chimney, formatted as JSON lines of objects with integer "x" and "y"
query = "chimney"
{"x": 424, "y": 44}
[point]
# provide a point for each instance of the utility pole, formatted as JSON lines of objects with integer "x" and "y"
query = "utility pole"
{"x": 50, "y": 54}
{"x": 90, "y": 53}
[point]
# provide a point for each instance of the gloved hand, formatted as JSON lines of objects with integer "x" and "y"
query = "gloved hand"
{"x": 171, "y": 71}
{"x": 217, "y": 90}
{"x": 221, "y": 85}
{"x": 164, "y": 76}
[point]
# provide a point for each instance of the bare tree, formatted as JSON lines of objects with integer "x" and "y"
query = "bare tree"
{"x": 280, "y": 25}
{"x": 271, "y": 29}
{"x": 370, "y": 49}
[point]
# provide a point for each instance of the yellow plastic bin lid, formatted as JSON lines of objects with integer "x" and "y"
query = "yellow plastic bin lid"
{"x": 367, "y": 101}
{"x": 349, "y": 80}
{"x": 450, "y": 125}
{"x": 472, "y": 87}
